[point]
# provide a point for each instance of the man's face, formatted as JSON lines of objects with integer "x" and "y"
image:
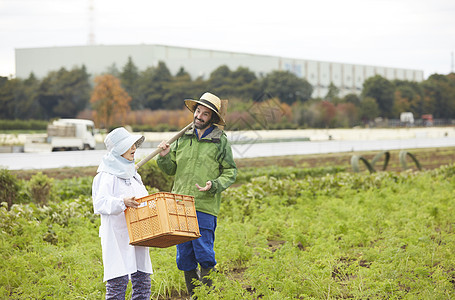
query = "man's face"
{"x": 202, "y": 117}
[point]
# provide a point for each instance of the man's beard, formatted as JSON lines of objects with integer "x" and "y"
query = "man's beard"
{"x": 201, "y": 125}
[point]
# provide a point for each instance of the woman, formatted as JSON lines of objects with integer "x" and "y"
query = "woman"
{"x": 115, "y": 187}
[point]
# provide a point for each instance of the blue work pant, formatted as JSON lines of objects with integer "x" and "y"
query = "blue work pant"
{"x": 199, "y": 251}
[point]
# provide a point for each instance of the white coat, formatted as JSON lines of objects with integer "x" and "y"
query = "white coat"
{"x": 119, "y": 257}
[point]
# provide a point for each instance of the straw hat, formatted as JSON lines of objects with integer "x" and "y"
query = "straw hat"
{"x": 210, "y": 101}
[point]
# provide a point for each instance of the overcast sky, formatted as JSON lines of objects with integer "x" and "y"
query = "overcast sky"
{"x": 411, "y": 34}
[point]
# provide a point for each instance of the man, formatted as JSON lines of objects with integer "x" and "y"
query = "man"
{"x": 202, "y": 163}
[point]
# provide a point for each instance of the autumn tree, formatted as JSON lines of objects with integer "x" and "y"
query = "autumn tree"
{"x": 346, "y": 115}
{"x": 109, "y": 100}
{"x": 328, "y": 113}
{"x": 316, "y": 114}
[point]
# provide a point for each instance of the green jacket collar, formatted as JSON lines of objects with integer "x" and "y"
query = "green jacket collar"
{"x": 212, "y": 136}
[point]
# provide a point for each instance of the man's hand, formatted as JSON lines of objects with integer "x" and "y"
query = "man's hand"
{"x": 165, "y": 148}
{"x": 207, "y": 187}
{"x": 131, "y": 202}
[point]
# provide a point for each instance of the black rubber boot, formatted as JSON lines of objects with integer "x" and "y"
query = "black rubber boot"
{"x": 189, "y": 277}
{"x": 205, "y": 280}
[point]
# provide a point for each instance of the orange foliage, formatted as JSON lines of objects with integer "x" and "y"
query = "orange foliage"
{"x": 346, "y": 114}
{"x": 260, "y": 115}
{"x": 271, "y": 111}
{"x": 328, "y": 111}
{"x": 174, "y": 118}
{"x": 109, "y": 100}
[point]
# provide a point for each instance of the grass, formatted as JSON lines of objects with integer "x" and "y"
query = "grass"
{"x": 280, "y": 235}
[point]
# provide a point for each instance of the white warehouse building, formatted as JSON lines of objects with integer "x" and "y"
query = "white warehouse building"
{"x": 97, "y": 59}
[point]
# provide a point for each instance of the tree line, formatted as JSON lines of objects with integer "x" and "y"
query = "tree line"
{"x": 135, "y": 97}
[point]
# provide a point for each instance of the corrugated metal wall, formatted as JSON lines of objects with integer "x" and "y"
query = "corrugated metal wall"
{"x": 97, "y": 59}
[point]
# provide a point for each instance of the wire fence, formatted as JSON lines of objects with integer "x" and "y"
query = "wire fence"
{"x": 394, "y": 123}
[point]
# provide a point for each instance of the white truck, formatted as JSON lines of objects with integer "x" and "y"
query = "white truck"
{"x": 63, "y": 134}
{"x": 407, "y": 118}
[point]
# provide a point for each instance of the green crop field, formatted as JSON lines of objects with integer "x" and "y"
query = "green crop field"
{"x": 327, "y": 234}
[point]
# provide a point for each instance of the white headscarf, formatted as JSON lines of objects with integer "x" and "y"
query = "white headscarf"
{"x": 117, "y": 142}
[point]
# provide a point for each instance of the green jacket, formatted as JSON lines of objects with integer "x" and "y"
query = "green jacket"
{"x": 197, "y": 161}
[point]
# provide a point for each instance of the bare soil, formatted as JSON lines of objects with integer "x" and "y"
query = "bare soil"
{"x": 430, "y": 158}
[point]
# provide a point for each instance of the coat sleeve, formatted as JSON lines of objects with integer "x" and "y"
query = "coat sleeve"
{"x": 104, "y": 201}
{"x": 228, "y": 169}
{"x": 168, "y": 163}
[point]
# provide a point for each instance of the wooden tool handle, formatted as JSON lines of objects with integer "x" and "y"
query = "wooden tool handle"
{"x": 158, "y": 150}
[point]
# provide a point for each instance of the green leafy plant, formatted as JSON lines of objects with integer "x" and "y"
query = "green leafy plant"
{"x": 40, "y": 186}
{"x": 344, "y": 235}
{"x": 246, "y": 174}
{"x": 152, "y": 176}
{"x": 73, "y": 188}
{"x": 9, "y": 187}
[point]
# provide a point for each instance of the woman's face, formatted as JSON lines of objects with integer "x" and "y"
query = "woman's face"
{"x": 129, "y": 154}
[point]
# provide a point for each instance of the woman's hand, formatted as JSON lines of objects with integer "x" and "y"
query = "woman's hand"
{"x": 131, "y": 202}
